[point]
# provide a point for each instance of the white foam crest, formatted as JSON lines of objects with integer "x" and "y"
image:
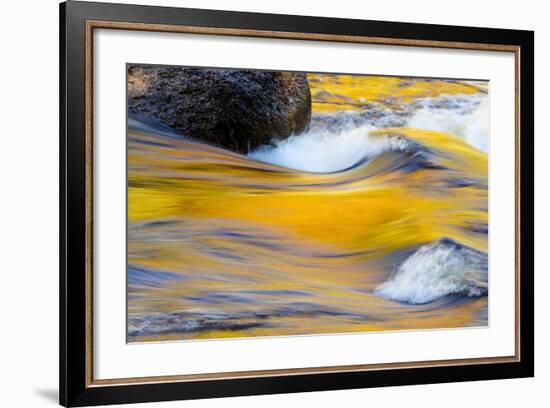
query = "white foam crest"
{"x": 323, "y": 151}
{"x": 464, "y": 116}
{"x": 434, "y": 271}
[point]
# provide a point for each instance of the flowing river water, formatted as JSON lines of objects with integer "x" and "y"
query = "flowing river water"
{"x": 376, "y": 218}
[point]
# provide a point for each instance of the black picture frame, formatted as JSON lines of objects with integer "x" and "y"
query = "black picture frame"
{"x": 76, "y": 387}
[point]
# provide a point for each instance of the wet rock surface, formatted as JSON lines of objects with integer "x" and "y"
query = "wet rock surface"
{"x": 235, "y": 109}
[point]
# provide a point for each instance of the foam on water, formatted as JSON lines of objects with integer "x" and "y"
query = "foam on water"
{"x": 438, "y": 269}
{"x": 464, "y": 116}
{"x": 334, "y": 149}
{"x": 324, "y": 151}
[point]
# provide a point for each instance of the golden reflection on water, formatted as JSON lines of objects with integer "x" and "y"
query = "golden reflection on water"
{"x": 253, "y": 249}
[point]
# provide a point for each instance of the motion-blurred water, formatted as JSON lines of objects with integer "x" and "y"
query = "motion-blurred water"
{"x": 374, "y": 219}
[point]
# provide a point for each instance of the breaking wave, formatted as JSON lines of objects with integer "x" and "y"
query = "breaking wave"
{"x": 436, "y": 270}
{"x": 345, "y": 141}
{"x": 467, "y": 117}
{"x": 324, "y": 152}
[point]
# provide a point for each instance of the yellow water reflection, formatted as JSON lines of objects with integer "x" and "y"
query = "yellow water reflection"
{"x": 253, "y": 249}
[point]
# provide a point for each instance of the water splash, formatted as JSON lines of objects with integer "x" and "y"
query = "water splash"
{"x": 436, "y": 270}
{"x": 467, "y": 117}
{"x": 345, "y": 141}
{"x": 324, "y": 152}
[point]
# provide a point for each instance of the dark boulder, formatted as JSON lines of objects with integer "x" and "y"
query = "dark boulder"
{"x": 235, "y": 109}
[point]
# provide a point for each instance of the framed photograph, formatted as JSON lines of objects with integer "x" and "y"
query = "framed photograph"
{"x": 257, "y": 204}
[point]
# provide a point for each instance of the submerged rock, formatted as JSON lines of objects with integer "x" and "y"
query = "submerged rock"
{"x": 235, "y": 109}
